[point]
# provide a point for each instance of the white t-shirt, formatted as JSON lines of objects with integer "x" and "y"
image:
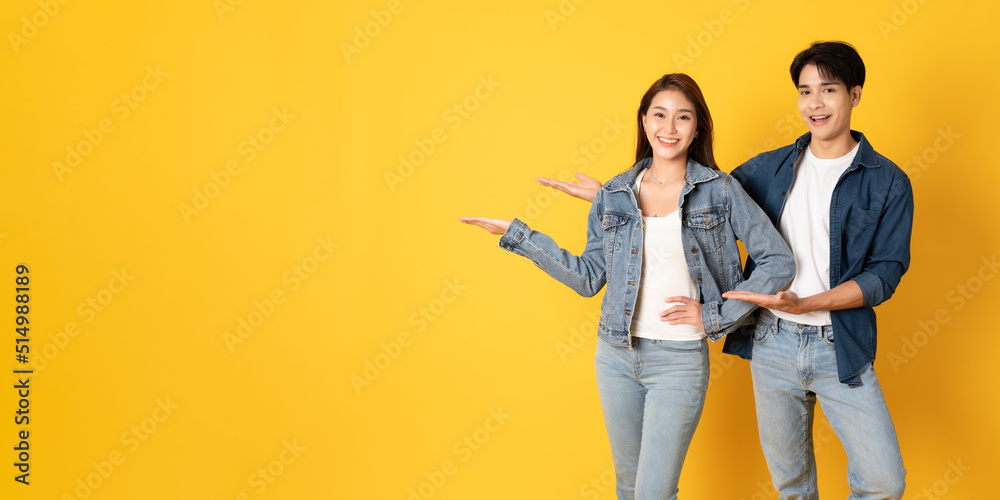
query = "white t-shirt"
{"x": 664, "y": 274}
{"x": 805, "y": 225}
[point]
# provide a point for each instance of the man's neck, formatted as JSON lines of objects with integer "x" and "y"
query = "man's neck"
{"x": 832, "y": 148}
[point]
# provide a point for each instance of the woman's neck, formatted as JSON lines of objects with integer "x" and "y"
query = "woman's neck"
{"x": 665, "y": 170}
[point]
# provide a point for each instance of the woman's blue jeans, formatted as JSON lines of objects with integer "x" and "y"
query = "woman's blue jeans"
{"x": 652, "y": 396}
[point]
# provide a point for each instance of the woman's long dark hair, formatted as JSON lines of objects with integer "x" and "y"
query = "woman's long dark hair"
{"x": 701, "y": 149}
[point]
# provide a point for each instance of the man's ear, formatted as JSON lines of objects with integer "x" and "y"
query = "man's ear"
{"x": 855, "y": 96}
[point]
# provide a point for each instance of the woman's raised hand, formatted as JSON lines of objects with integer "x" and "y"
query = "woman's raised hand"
{"x": 495, "y": 226}
{"x": 586, "y": 189}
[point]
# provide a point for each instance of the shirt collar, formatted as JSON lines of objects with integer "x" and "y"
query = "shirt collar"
{"x": 865, "y": 156}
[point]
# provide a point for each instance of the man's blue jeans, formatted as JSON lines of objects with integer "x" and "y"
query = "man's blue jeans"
{"x": 793, "y": 366}
{"x": 652, "y": 396}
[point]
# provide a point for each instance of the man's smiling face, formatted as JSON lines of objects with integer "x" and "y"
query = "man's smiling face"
{"x": 825, "y": 104}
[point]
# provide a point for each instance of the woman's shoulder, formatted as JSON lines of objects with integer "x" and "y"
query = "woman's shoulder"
{"x": 625, "y": 179}
{"x": 707, "y": 177}
{"x": 716, "y": 186}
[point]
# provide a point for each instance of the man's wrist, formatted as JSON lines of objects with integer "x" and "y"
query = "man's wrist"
{"x": 806, "y": 304}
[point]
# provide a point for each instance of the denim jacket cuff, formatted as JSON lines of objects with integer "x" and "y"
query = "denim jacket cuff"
{"x": 710, "y": 317}
{"x": 513, "y": 236}
{"x": 871, "y": 288}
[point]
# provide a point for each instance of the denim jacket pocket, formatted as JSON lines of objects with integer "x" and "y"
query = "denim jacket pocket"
{"x": 859, "y": 232}
{"x": 708, "y": 226}
{"x": 613, "y": 226}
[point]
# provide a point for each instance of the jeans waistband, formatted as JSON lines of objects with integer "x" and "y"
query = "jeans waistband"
{"x": 768, "y": 317}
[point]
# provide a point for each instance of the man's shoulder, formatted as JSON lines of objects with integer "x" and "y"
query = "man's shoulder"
{"x": 773, "y": 155}
{"x": 768, "y": 161}
{"x": 890, "y": 166}
{"x": 888, "y": 170}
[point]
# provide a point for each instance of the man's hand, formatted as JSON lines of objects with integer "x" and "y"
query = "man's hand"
{"x": 785, "y": 301}
{"x": 495, "y": 226}
{"x": 586, "y": 189}
{"x": 688, "y": 312}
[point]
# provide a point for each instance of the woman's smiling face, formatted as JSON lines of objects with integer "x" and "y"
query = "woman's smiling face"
{"x": 670, "y": 124}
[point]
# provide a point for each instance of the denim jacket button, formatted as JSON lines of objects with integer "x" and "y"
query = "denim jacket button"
{"x": 694, "y": 250}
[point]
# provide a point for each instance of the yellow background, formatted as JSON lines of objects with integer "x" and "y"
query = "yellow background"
{"x": 396, "y": 352}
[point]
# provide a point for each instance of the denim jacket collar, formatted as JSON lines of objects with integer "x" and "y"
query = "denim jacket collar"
{"x": 864, "y": 158}
{"x": 696, "y": 172}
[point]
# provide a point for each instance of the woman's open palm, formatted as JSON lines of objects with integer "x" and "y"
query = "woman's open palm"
{"x": 586, "y": 189}
{"x": 495, "y": 226}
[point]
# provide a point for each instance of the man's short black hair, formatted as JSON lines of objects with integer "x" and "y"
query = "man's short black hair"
{"x": 834, "y": 60}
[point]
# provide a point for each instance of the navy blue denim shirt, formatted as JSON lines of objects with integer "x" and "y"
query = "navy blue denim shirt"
{"x": 871, "y": 218}
{"x": 715, "y": 212}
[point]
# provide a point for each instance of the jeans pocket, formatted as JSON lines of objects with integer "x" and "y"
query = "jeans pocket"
{"x": 828, "y": 339}
{"x": 691, "y": 346}
{"x": 761, "y": 332}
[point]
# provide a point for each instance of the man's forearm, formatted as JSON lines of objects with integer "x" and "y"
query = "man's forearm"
{"x": 847, "y": 295}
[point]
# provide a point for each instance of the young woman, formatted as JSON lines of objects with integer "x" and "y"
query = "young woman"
{"x": 662, "y": 236}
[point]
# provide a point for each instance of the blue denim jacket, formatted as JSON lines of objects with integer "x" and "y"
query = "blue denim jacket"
{"x": 871, "y": 218}
{"x": 715, "y": 212}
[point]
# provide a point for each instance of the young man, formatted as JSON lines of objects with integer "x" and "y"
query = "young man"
{"x": 847, "y": 213}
